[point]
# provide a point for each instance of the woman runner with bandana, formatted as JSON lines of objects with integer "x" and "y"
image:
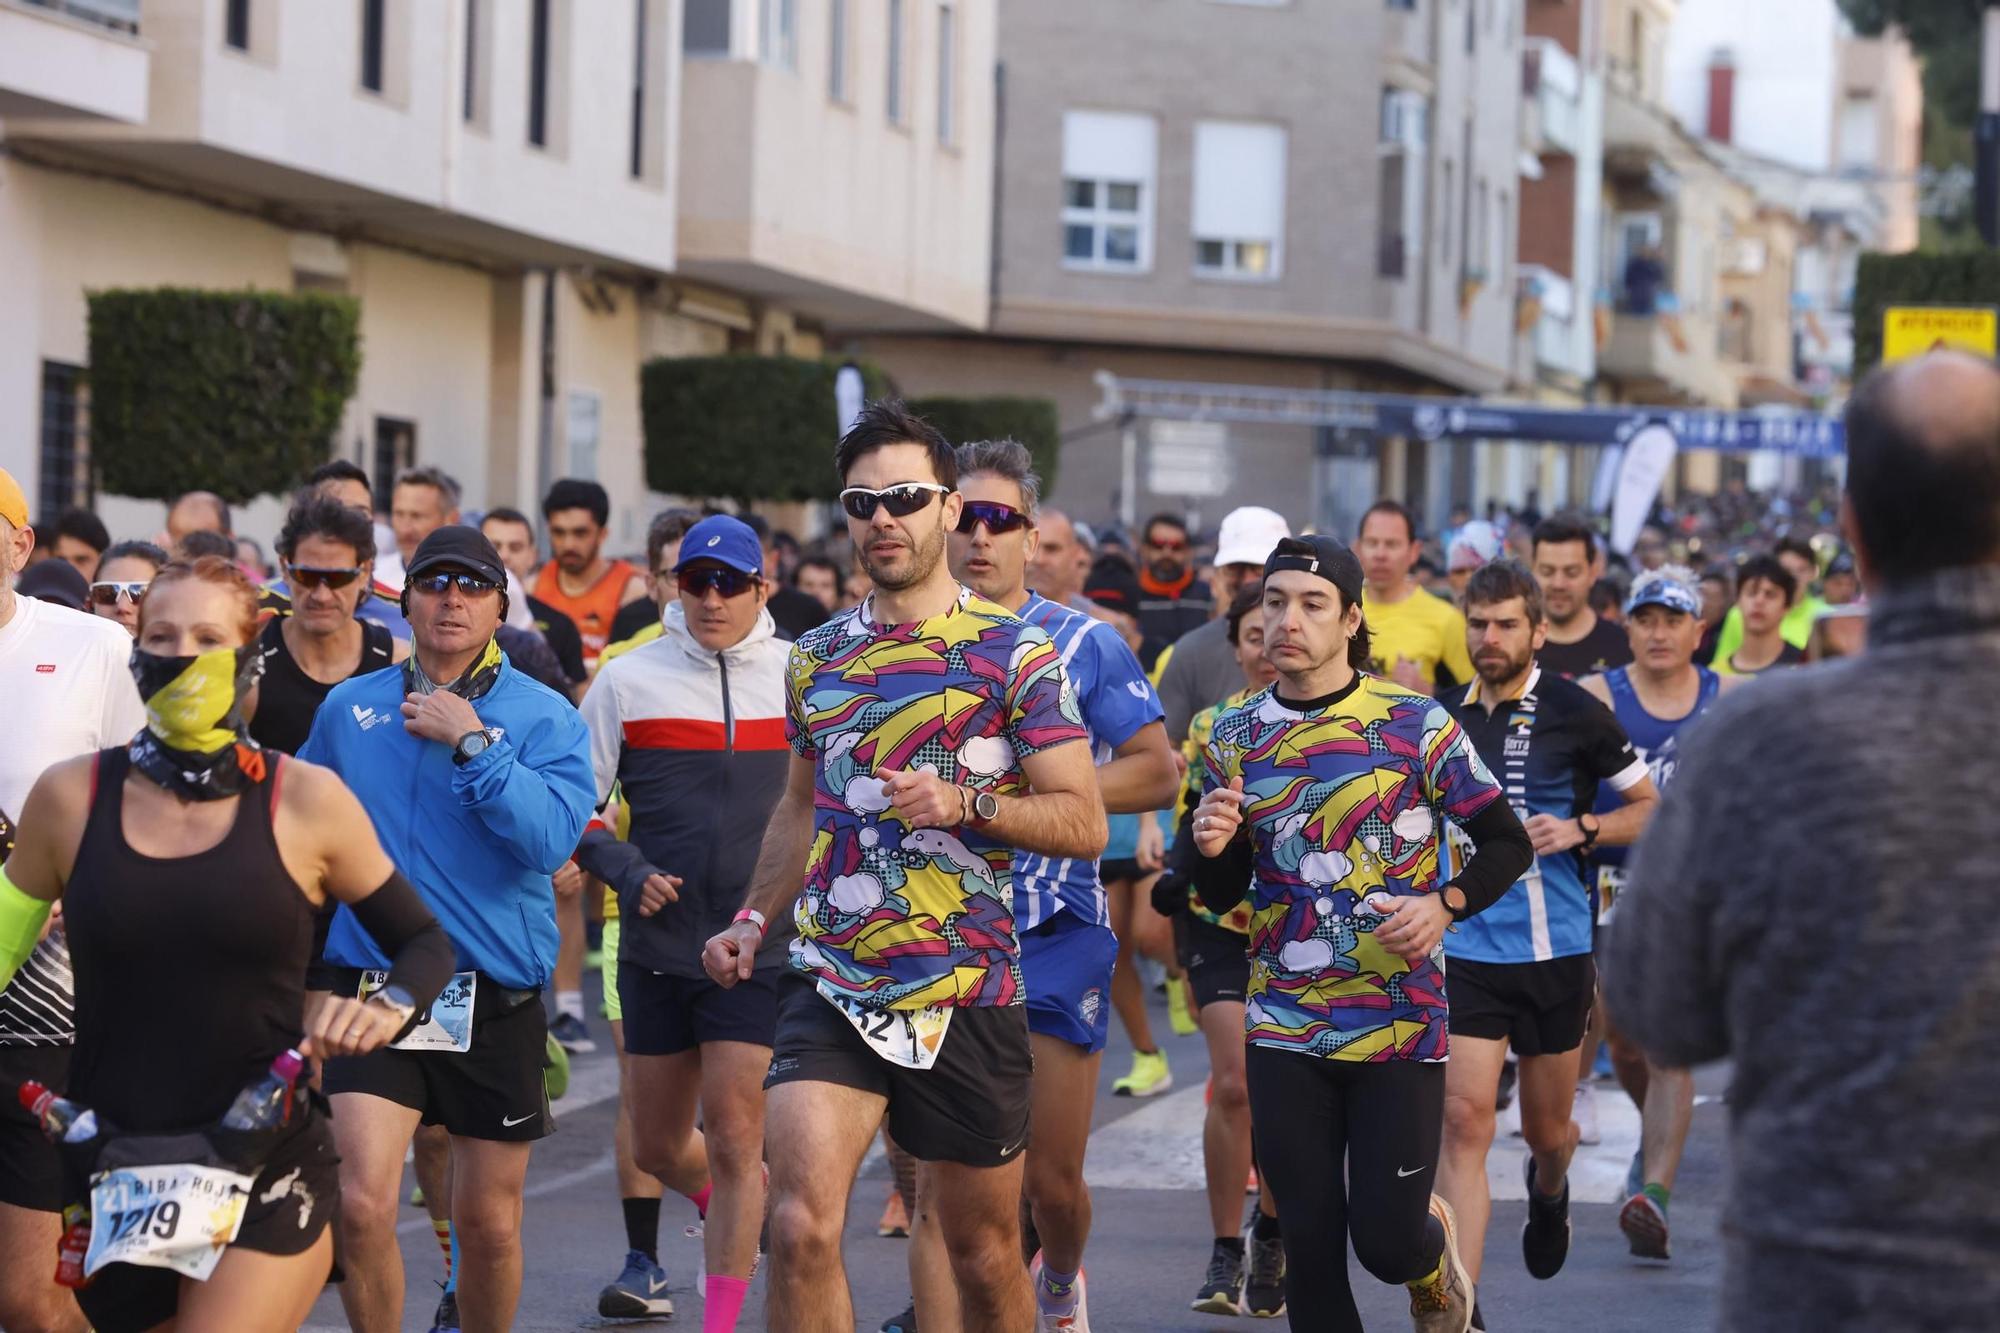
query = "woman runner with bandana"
{"x": 189, "y": 864}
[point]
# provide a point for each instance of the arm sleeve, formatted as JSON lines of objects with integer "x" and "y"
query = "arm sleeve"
{"x": 1502, "y": 853}
{"x": 534, "y": 796}
{"x": 617, "y": 863}
{"x": 1220, "y": 880}
{"x": 421, "y": 958}
{"x": 22, "y": 916}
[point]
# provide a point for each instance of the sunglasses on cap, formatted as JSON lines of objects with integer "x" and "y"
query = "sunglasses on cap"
{"x": 901, "y": 500}
{"x": 997, "y": 517}
{"x": 728, "y": 582}
{"x": 311, "y": 576}
{"x": 107, "y": 594}
{"x": 469, "y": 584}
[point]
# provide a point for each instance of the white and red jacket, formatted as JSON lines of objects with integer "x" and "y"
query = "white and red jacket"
{"x": 695, "y": 740}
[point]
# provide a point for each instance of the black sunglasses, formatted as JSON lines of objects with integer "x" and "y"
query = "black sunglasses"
{"x": 901, "y": 501}
{"x": 107, "y": 594}
{"x": 997, "y": 517}
{"x": 728, "y": 582}
{"x": 308, "y": 576}
{"x": 469, "y": 584}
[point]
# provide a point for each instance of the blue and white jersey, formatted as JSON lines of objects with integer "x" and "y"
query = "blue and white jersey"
{"x": 1117, "y": 700}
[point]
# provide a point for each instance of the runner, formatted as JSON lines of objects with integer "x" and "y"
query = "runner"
{"x": 1200, "y": 668}
{"x": 1655, "y": 698}
{"x": 1346, "y": 1005}
{"x": 1798, "y": 560}
{"x": 1718, "y": 595}
{"x": 1471, "y": 546}
{"x": 690, "y": 727}
{"x": 328, "y": 553}
{"x": 1521, "y": 975}
{"x": 818, "y": 578}
{"x": 513, "y": 536}
{"x": 1172, "y": 602}
{"x": 933, "y": 735}
{"x": 792, "y": 611}
{"x": 1061, "y": 913}
{"x": 1765, "y": 591}
{"x": 578, "y": 581}
{"x": 1566, "y": 563}
{"x": 122, "y": 578}
{"x": 640, "y": 620}
{"x": 478, "y": 779}
{"x": 1419, "y": 639}
{"x": 68, "y": 689}
{"x": 192, "y": 834}
{"x": 196, "y": 511}
{"x": 1061, "y": 562}
{"x": 80, "y": 538}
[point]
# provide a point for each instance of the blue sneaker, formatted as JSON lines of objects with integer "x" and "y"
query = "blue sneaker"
{"x": 640, "y": 1290}
{"x": 446, "y": 1318}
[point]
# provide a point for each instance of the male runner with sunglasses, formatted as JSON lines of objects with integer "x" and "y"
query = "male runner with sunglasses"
{"x": 934, "y": 735}
{"x": 327, "y": 553}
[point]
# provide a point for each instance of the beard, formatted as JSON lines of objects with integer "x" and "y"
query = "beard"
{"x": 910, "y": 565}
{"x": 1165, "y": 569}
{"x": 1496, "y": 668}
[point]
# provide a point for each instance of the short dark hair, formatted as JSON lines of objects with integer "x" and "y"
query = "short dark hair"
{"x": 669, "y": 525}
{"x": 1174, "y": 521}
{"x": 825, "y": 562}
{"x": 1501, "y": 580}
{"x": 318, "y": 514}
{"x": 890, "y": 421}
{"x": 509, "y": 515}
{"x": 338, "y": 469}
{"x": 85, "y": 526}
{"x": 576, "y": 493}
{"x": 1799, "y": 546}
{"x": 1606, "y": 596}
{"x": 1396, "y": 507}
{"x": 1719, "y": 573}
{"x": 1772, "y": 570}
{"x": 1557, "y": 529}
{"x": 1923, "y": 500}
{"x": 1246, "y": 600}
{"x": 136, "y": 550}
{"x": 205, "y": 541}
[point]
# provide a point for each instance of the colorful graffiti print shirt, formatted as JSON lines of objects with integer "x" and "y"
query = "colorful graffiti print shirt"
{"x": 1346, "y": 799}
{"x": 902, "y": 918}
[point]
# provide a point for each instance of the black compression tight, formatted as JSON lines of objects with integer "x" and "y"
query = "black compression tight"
{"x": 1380, "y": 1122}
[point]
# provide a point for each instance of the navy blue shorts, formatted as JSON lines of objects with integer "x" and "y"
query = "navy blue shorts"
{"x": 1066, "y": 963}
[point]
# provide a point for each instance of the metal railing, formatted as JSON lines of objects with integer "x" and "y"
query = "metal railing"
{"x": 118, "y": 15}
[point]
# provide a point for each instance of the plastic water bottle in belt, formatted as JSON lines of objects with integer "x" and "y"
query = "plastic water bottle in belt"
{"x": 62, "y": 1120}
{"x": 267, "y": 1103}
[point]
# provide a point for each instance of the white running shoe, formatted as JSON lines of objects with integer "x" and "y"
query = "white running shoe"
{"x": 1584, "y": 1112}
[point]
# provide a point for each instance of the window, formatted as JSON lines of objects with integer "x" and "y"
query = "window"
{"x": 1239, "y": 198}
{"x": 470, "y": 111}
{"x": 1109, "y": 161}
{"x": 1444, "y": 219}
{"x": 395, "y": 449}
{"x": 371, "y": 44}
{"x": 538, "y": 74}
{"x": 1404, "y": 141}
{"x": 1859, "y": 133}
{"x": 1410, "y": 5}
{"x": 895, "y": 100}
{"x": 705, "y": 28}
{"x": 1477, "y": 236}
{"x": 236, "y": 24}
{"x": 836, "y": 48}
{"x": 65, "y": 460}
{"x": 947, "y": 74}
{"x": 638, "y": 163}
{"x": 778, "y": 33}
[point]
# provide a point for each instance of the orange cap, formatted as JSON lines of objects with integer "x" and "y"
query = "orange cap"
{"x": 13, "y": 504}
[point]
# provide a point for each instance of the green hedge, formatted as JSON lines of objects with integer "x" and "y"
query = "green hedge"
{"x": 743, "y": 427}
{"x": 1032, "y": 421}
{"x": 1967, "y": 277}
{"x": 239, "y": 393}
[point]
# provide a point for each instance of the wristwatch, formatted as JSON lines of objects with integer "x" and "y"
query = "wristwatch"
{"x": 985, "y": 808}
{"x": 1588, "y": 826}
{"x": 1447, "y": 894}
{"x": 395, "y": 997}
{"x": 471, "y": 745}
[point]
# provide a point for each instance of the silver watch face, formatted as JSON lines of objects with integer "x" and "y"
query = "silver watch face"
{"x": 473, "y": 745}
{"x": 986, "y": 805}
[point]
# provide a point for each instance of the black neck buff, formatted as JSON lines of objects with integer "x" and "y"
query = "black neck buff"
{"x": 472, "y": 682}
{"x": 193, "y": 744}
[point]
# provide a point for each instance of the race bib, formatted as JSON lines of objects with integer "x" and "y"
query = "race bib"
{"x": 1610, "y": 880}
{"x": 911, "y": 1038}
{"x": 446, "y": 1025}
{"x": 177, "y": 1217}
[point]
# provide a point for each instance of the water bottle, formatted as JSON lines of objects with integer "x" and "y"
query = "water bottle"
{"x": 62, "y": 1120}
{"x": 74, "y": 1247}
{"x": 267, "y": 1103}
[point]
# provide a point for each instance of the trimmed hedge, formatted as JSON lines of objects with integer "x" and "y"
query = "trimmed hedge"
{"x": 239, "y": 393}
{"x": 1032, "y": 421}
{"x": 743, "y": 427}
{"x": 1964, "y": 277}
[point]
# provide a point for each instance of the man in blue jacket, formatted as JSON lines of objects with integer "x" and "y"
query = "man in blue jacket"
{"x": 478, "y": 780}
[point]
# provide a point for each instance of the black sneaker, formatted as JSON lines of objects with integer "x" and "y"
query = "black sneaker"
{"x": 905, "y": 1322}
{"x": 1264, "y": 1293}
{"x": 572, "y": 1034}
{"x": 1545, "y": 1235}
{"x": 1221, "y": 1290}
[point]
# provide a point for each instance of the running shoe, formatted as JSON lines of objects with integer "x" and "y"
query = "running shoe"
{"x": 572, "y": 1034}
{"x": 1179, "y": 1012}
{"x": 1644, "y": 1221}
{"x": 1264, "y": 1293}
{"x": 1584, "y": 1112}
{"x": 1443, "y": 1304}
{"x": 1149, "y": 1077}
{"x": 1067, "y": 1316}
{"x": 895, "y": 1223}
{"x": 1221, "y": 1290}
{"x": 1545, "y": 1235}
{"x": 905, "y": 1322}
{"x": 1250, "y": 1186}
{"x": 640, "y": 1290}
{"x": 1478, "y": 1324}
{"x": 1635, "y": 1174}
{"x": 446, "y": 1318}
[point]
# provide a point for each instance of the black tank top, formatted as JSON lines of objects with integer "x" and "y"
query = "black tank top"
{"x": 190, "y": 971}
{"x": 287, "y": 697}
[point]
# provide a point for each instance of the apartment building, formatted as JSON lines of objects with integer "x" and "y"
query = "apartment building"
{"x": 1299, "y": 193}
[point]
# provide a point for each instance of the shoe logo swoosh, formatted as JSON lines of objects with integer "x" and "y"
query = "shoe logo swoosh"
{"x": 1413, "y": 1171}
{"x": 507, "y": 1122}
{"x": 653, "y": 1287}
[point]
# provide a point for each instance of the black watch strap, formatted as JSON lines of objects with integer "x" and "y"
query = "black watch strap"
{"x": 1444, "y": 896}
{"x": 1588, "y": 824}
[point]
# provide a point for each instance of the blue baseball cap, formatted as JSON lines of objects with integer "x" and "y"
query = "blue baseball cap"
{"x": 725, "y": 539}
{"x": 1671, "y": 586}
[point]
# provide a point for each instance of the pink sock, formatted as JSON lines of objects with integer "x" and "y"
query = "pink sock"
{"x": 700, "y": 1199}
{"x": 722, "y": 1301}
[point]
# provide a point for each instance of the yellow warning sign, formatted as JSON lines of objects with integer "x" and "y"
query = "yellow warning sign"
{"x": 1912, "y": 330}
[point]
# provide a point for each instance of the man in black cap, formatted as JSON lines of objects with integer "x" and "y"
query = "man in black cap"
{"x": 55, "y": 581}
{"x": 478, "y": 780}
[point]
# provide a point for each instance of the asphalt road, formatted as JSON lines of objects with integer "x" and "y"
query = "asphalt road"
{"x": 1150, "y": 1243}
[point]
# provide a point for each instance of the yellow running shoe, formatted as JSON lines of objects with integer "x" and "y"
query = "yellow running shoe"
{"x": 1149, "y": 1077}
{"x": 1179, "y": 1012}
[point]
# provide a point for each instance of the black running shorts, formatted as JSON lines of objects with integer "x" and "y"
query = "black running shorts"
{"x": 970, "y": 1107}
{"x": 665, "y": 1015}
{"x": 30, "y": 1172}
{"x": 1539, "y": 1008}
{"x": 1217, "y": 962}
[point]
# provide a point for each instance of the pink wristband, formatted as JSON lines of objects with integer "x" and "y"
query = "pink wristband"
{"x": 755, "y": 918}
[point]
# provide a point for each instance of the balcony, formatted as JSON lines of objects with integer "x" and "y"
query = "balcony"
{"x": 1560, "y": 343}
{"x": 73, "y": 60}
{"x": 1667, "y": 357}
{"x": 1553, "y": 82}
